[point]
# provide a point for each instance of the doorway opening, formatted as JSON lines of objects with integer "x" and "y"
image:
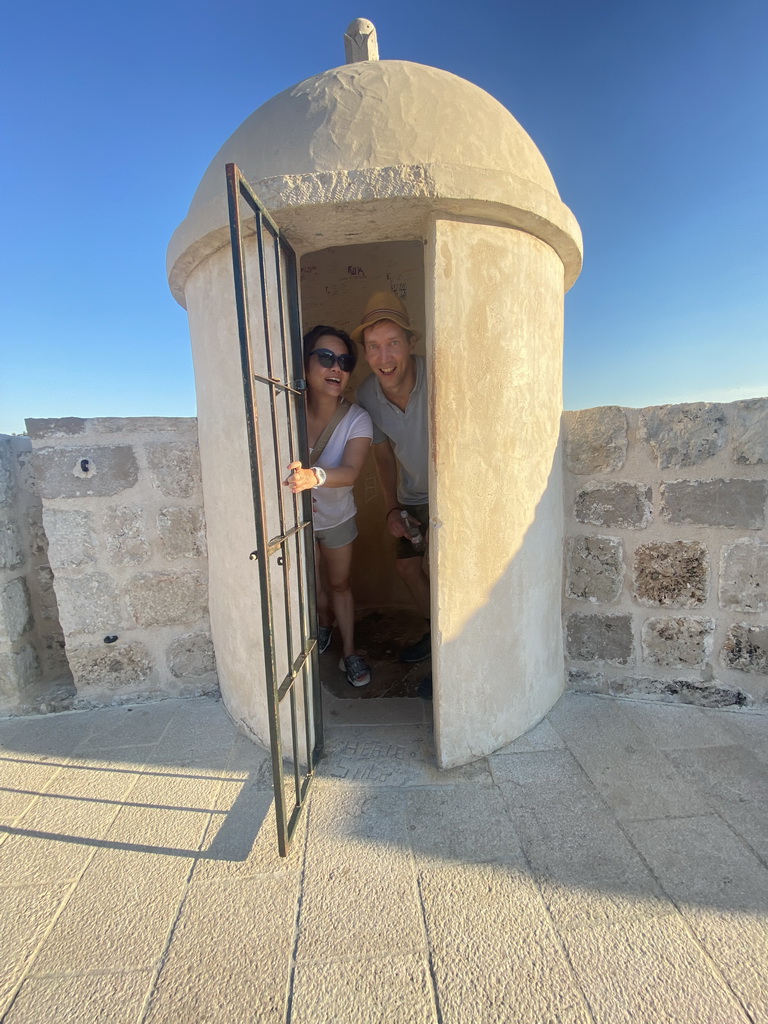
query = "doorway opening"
{"x": 335, "y": 284}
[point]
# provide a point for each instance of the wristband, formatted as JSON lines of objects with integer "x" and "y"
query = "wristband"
{"x": 395, "y": 508}
{"x": 320, "y": 474}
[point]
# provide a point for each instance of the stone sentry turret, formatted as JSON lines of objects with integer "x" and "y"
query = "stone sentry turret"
{"x": 388, "y": 173}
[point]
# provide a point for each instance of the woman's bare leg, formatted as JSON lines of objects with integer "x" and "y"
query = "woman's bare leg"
{"x": 324, "y": 613}
{"x": 338, "y": 562}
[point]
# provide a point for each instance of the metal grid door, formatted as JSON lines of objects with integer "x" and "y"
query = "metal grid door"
{"x": 264, "y": 264}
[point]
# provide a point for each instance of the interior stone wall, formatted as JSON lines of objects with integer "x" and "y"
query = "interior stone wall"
{"x": 123, "y": 517}
{"x": 666, "y": 567}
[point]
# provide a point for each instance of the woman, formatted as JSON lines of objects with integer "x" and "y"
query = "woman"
{"x": 329, "y": 359}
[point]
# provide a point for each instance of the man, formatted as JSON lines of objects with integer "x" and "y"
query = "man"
{"x": 395, "y": 397}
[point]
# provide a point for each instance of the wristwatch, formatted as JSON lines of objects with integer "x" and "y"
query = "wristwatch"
{"x": 320, "y": 474}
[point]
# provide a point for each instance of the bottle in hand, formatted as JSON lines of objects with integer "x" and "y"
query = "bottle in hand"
{"x": 414, "y": 533}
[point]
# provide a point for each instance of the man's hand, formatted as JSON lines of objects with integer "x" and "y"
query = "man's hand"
{"x": 396, "y": 523}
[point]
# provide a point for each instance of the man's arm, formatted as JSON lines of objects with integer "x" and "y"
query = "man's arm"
{"x": 386, "y": 467}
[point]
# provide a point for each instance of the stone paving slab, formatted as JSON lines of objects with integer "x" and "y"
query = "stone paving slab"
{"x": 679, "y": 726}
{"x": 390, "y": 755}
{"x": 747, "y": 730}
{"x": 144, "y": 724}
{"x": 26, "y": 913}
{"x": 386, "y": 990}
{"x": 359, "y": 888}
{"x": 22, "y": 781}
{"x": 724, "y": 901}
{"x": 84, "y": 998}
{"x": 496, "y": 954}
{"x": 634, "y": 778}
{"x": 56, "y": 837}
{"x": 229, "y": 955}
{"x": 391, "y": 711}
{"x": 650, "y": 970}
{"x": 610, "y": 866}
{"x": 137, "y": 900}
{"x": 461, "y": 825}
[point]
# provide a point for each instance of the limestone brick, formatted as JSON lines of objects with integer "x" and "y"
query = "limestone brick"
{"x": 706, "y": 693}
{"x": 749, "y": 445}
{"x": 683, "y": 435}
{"x": 110, "y": 470}
{"x": 6, "y": 472}
{"x": 11, "y": 553}
{"x": 66, "y": 426}
{"x": 595, "y": 569}
{"x": 109, "y": 666}
{"x": 46, "y": 594}
{"x": 71, "y": 537}
{"x": 587, "y": 682}
{"x": 25, "y": 472}
{"x": 150, "y": 426}
{"x": 125, "y": 536}
{"x": 53, "y": 653}
{"x": 174, "y": 468}
{"x": 744, "y": 575}
{"x": 15, "y": 611}
{"x": 596, "y": 441}
{"x": 736, "y": 504}
{"x": 182, "y": 532}
{"x": 191, "y": 655}
{"x": 37, "y": 535}
{"x": 88, "y": 604}
{"x": 616, "y": 505}
{"x": 677, "y": 641}
{"x": 166, "y": 598}
{"x": 674, "y": 574}
{"x": 600, "y": 638}
{"x": 18, "y": 671}
{"x": 746, "y": 648}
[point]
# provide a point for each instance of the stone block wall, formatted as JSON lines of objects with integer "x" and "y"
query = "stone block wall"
{"x": 103, "y": 568}
{"x": 123, "y": 515}
{"x": 666, "y": 562}
{"x": 31, "y": 642}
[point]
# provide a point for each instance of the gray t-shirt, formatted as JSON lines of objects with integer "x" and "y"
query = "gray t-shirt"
{"x": 407, "y": 431}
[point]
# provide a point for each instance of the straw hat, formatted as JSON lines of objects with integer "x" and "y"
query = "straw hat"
{"x": 384, "y": 306}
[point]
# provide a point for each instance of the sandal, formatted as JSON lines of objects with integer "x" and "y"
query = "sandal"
{"x": 358, "y": 671}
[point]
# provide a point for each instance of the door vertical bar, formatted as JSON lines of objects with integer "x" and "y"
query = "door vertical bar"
{"x": 308, "y": 597}
{"x": 306, "y": 665}
{"x": 269, "y": 341}
{"x": 251, "y": 414}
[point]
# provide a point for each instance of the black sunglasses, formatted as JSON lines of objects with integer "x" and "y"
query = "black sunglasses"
{"x": 328, "y": 359}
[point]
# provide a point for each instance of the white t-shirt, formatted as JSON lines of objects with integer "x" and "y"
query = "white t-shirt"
{"x": 335, "y": 505}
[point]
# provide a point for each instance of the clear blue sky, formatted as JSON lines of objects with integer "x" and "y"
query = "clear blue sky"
{"x": 652, "y": 118}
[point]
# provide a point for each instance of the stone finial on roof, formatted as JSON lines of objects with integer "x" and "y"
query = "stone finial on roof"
{"x": 360, "y": 41}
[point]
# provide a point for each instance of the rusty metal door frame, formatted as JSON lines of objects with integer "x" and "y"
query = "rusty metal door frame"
{"x": 292, "y": 546}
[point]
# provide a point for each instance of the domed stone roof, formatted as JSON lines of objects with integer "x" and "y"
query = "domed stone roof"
{"x": 377, "y": 114}
{"x": 373, "y": 132}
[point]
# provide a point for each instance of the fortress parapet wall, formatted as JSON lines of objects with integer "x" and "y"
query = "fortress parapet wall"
{"x": 125, "y": 527}
{"x": 102, "y": 534}
{"x": 666, "y": 561}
